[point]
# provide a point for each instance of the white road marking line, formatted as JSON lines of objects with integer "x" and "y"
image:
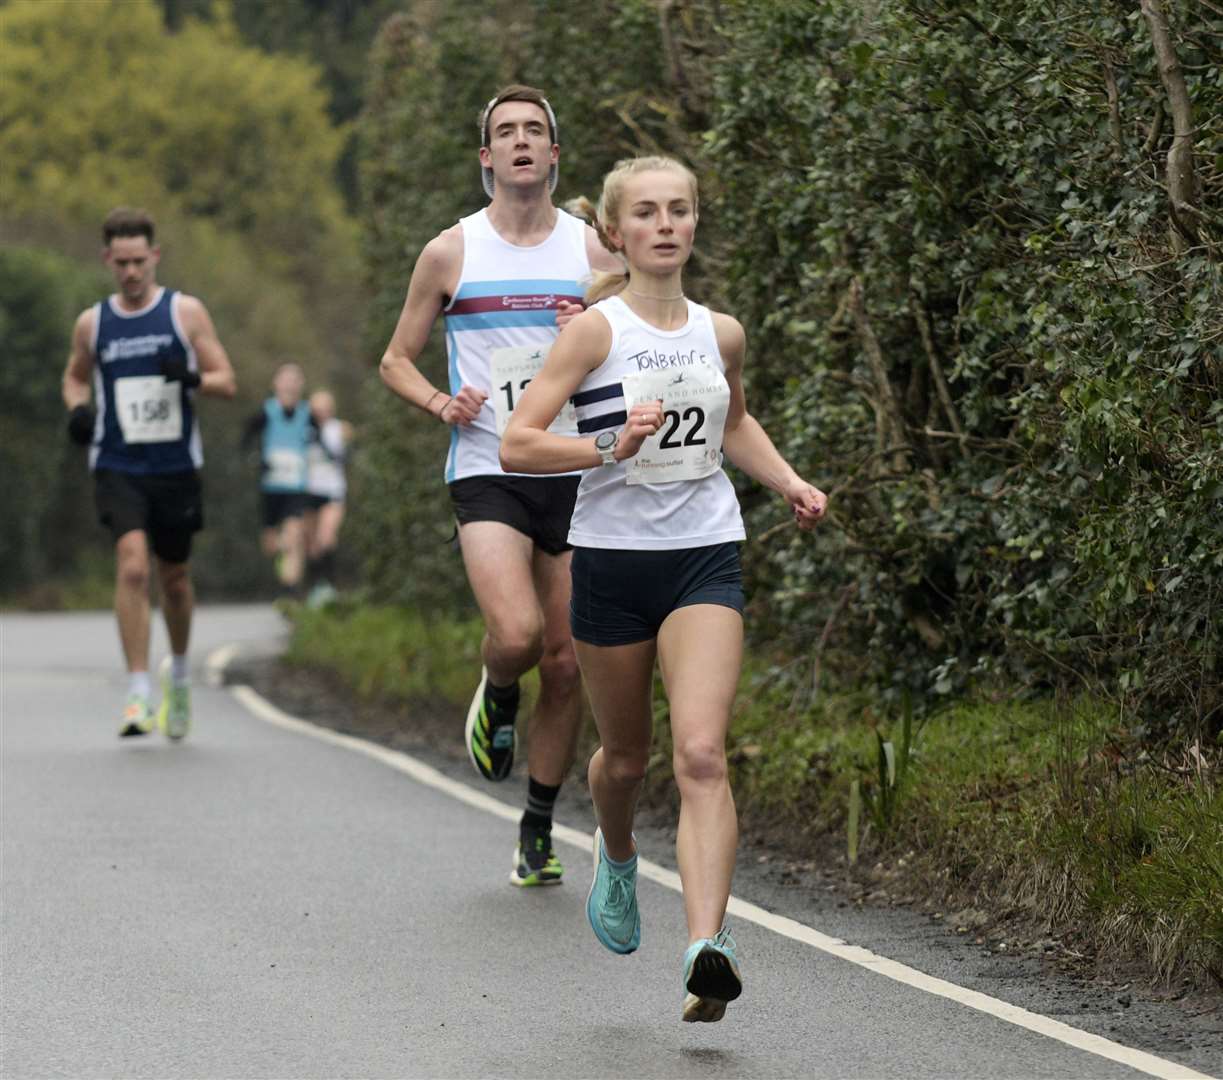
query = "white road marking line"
{"x": 1139, "y": 1060}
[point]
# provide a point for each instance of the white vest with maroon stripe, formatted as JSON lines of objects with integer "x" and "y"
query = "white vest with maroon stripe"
{"x": 506, "y": 299}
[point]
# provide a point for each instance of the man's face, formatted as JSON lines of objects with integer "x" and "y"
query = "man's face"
{"x": 134, "y": 264}
{"x": 287, "y": 385}
{"x": 520, "y": 150}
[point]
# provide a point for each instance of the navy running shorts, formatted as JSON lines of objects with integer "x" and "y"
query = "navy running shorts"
{"x": 622, "y": 597}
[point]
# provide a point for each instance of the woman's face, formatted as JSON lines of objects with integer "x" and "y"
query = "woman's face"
{"x": 322, "y": 405}
{"x": 657, "y": 221}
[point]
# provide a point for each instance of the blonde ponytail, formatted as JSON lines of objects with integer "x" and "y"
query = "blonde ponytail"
{"x": 606, "y": 283}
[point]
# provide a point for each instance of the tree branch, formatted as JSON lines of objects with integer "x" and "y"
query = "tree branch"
{"x": 892, "y": 423}
{"x": 922, "y": 317}
{"x": 1182, "y": 182}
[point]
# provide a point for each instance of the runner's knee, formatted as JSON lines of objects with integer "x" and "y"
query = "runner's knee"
{"x": 558, "y": 670}
{"x": 699, "y": 760}
{"x": 176, "y": 583}
{"x": 624, "y": 768}
{"x": 133, "y": 572}
{"x": 519, "y": 639}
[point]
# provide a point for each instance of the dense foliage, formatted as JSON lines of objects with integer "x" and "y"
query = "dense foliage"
{"x": 980, "y": 313}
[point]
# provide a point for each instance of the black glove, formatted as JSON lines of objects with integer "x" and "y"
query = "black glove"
{"x": 80, "y": 424}
{"x": 174, "y": 369}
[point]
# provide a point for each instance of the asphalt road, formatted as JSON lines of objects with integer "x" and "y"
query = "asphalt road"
{"x": 252, "y": 902}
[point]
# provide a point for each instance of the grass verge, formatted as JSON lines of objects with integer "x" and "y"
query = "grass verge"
{"x": 1045, "y": 808}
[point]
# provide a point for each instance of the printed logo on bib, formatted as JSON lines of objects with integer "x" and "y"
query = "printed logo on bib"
{"x": 286, "y": 469}
{"x": 688, "y": 446}
{"x": 512, "y": 369}
{"x": 149, "y": 409}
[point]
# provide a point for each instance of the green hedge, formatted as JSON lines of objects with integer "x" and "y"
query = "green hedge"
{"x": 947, "y": 231}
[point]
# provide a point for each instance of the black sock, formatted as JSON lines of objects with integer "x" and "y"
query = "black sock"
{"x": 324, "y": 566}
{"x": 540, "y": 800}
{"x": 504, "y": 696}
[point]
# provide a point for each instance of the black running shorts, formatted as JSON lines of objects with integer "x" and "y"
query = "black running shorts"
{"x": 537, "y": 506}
{"x": 622, "y": 597}
{"x": 169, "y": 507}
{"x": 279, "y": 506}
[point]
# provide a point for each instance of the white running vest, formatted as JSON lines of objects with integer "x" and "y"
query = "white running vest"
{"x": 502, "y": 313}
{"x": 325, "y": 461}
{"x": 611, "y": 511}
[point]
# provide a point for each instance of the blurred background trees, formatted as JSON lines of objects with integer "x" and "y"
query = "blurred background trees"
{"x": 976, "y": 247}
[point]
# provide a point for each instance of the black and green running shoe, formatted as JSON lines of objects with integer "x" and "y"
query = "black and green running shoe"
{"x": 535, "y": 863}
{"x": 490, "y": 734}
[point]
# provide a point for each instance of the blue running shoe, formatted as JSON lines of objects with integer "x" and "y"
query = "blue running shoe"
{"x": 611, "y": 906}
{"x": 711, "y": 978}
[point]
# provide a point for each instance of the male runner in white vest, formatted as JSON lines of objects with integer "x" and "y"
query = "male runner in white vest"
{"x": 501, "y": 278}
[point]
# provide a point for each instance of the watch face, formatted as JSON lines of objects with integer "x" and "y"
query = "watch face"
{"x": 605, "y": 440}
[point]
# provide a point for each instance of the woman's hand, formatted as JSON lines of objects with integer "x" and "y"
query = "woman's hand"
{"x": 644, "y": 419}
{"x": 807, "y": 502}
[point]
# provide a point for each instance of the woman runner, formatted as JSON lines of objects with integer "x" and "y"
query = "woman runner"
{"x": 656, "y": 383}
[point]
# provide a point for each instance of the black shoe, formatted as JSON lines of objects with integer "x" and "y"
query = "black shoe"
{"x": 490, "y": 734}
{"x": 535, "y": 863}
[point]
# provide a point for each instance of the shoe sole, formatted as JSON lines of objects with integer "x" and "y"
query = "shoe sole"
{"x": 698, "y": 1010}
{"x": 712, "y": 983}
{"x": 473, "y": 714}
{"x": 129, "y": 731}
{"x": 531, "y": 882}
{"x": 605, "y": 940}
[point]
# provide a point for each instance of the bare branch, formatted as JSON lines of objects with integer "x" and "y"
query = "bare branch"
{"x": 1182, "y": 183}
{"x": 892, "y": 425}
{"x": 1114, "y": 103}
{"x": 922, "y": 317}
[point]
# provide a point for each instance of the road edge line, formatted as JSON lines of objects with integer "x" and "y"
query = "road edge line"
{"x": 1140, "y": 1060}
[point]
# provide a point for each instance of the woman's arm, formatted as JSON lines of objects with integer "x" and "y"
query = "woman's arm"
{"x": 748, "y": 445}
{"x": 528, "y": 447}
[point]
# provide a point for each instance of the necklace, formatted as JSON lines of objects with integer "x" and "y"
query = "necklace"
{"x": 650, "y": 296}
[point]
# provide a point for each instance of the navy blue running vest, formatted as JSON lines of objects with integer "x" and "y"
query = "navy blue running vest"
{"x": 145, "y": 425}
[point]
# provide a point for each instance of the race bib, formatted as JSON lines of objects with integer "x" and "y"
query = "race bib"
{"x": 688, "y": 446}
{"x": 513, "y": 368}
{"x": 286, "y": 469}
{"x": 150, "y": 409}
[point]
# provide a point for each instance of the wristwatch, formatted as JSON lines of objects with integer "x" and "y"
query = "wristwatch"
{"x": 605, "y": 443}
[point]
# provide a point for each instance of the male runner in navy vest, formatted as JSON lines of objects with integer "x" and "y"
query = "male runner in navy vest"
{"x": 144, "y": 353}
{"x": 501, "y": 278}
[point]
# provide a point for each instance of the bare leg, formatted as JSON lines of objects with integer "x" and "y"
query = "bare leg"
{"x": 177, "y": 602}
{"x": 326, "y": 532}
{"x": 498, "y": 560}
{"x": 310, "y": 523}
{"x": 132, "y": 598}
{"x": 293, "y": 551}
{"x": 558, "y": 712}
{"x": 619, "y": 680}
{"x": 701, "y": 694}
{"x": 269, "y": 541}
